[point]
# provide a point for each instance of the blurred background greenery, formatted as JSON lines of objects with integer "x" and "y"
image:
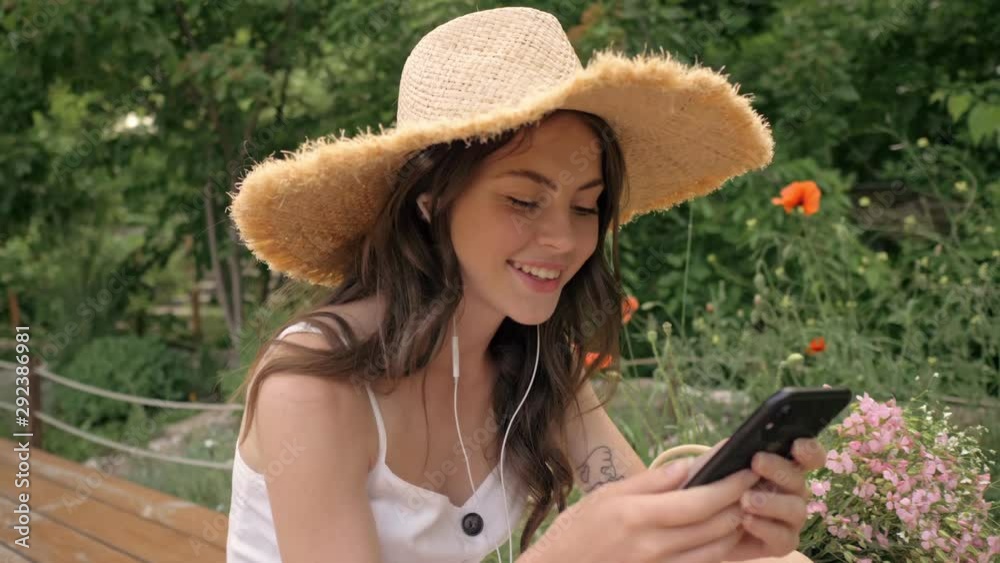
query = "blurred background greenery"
{"x": 125, "y": 124}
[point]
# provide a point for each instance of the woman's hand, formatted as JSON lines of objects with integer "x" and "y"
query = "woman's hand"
{"x": 776, "y": 506}
{"x": 647, "y": 519}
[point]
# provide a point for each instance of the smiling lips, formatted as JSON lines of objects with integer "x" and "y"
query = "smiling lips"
{"x": 534, "y": 277}
{"x": 539, "y": 272}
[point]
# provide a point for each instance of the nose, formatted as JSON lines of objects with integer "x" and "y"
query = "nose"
{"x": 555, "y": 229}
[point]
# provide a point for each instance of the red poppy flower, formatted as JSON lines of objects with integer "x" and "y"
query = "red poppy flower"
{"x": 816, "y": 345}
{"x": 629, "y": 306}
{"x": 805, "y": 194}
{"x": 591, "y": 357}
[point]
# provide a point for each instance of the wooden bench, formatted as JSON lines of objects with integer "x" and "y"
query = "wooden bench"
{"x": 80, "y": 514}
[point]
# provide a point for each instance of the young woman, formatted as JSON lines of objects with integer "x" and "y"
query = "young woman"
{"x": 438, "y": 395}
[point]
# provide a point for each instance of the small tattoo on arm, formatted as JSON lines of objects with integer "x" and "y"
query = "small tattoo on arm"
{"x": 598, "y": 469}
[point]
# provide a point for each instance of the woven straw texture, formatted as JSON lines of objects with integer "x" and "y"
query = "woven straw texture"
{"x": 684, "y": 131}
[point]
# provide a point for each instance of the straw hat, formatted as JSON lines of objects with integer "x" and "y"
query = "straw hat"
{"x": 683, "y": 130}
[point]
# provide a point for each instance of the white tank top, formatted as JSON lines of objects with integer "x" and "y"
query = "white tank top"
{"x": 414, "y": 525}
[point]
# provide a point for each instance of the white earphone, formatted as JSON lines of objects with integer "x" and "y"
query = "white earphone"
{"x": 503, "y": 445}
{"x": 423, "y": 211}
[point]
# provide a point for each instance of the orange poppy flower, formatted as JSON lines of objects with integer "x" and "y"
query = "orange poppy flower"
{"x": 591, "y": 357}
{"x": 816, "y": 345}
{"x": 805, "y": 194}
{"x": 629, "y": 306}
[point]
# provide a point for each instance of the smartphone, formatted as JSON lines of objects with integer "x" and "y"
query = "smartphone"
{"x": 789, "y": 414}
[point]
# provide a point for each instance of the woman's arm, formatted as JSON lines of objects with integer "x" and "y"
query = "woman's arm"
{"x": 316, "y": 467}
{"x": 600, "y": 454}
{"x": 597, "y": 450}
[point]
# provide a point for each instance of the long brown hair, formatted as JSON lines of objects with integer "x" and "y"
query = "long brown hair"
{"x": 419, "y": 277}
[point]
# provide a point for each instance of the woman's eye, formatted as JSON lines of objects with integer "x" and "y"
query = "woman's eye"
{"x": 522, "y": 204}
{"x": 532, "y": 205}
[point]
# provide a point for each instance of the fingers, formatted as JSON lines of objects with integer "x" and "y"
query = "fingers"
{"x": 688, "y": 506}
{"x": 773, "y": 517}
{"x": 779, "y": 538}
{"x": 714, "y": 551}
{"x": 789, "y": 509}
{"x": 658, "y": 480}
{"x": 688, "y": 537}
{"x": 809, "y": 453}
{"x": 786, "y": 474}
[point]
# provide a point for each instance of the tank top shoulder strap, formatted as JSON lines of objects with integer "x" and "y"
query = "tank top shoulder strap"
{"x": 303, "y": 326}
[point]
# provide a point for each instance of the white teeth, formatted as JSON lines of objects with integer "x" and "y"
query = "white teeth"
{"x": 537, "y": 272}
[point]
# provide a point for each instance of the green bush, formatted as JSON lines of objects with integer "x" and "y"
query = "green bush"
{"x": 140, "y": 366}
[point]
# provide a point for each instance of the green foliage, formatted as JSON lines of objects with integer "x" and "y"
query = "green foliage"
{"x": 133, "y": 430}
{"x": 127, "y": 364}
{"x": 208, "y": 487}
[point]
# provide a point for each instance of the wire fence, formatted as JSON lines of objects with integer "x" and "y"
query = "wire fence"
{"x": 40, "y": 416}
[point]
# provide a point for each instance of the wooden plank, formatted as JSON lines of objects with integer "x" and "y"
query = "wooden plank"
{"x": 207, "y": 525}
{"x": 10, "y": 555}
{"x": 129, "y": 532}
{"x": 51, "y": 541}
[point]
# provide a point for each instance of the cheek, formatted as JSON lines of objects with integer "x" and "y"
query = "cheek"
{"x": 487, "y": 238}
{"x": 588, "y": 239}
{"x": 586, "y": 243}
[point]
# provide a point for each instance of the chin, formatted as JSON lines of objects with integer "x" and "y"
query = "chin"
{"x": 530, "y": 314}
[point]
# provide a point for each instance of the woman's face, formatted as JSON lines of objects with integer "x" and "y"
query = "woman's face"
{"x": 557, "y": 173}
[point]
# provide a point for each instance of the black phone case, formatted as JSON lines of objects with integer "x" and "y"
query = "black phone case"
{"x": 789, "y": 414}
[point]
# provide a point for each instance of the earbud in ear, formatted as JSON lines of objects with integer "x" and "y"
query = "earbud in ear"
{"x": 422, "y": 204}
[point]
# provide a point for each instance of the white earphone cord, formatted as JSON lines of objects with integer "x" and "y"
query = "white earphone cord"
{"x": 503, "y": 445}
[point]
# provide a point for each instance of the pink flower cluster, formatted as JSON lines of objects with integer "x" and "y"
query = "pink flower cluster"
{"x": 896, "y": 483}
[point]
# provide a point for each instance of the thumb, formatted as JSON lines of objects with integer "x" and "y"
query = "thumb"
{"x": 658, "y": 480}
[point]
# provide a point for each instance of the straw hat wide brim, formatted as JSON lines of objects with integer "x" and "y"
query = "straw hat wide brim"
{"x": 684, "y": 130}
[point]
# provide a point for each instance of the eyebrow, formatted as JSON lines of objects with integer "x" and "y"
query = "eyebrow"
{"x": 545, "y": 181}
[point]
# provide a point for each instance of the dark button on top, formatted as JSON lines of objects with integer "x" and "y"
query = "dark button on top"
{"x": 472, "y": 524}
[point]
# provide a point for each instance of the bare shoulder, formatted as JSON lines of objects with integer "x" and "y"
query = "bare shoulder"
{"x": 289, "y": 403}
{"x": 359, "y": 316}
{"x": 289, "y": 398}
{"x": 363, "y": 315}
{"x": 286, "y": 400}
{"x": 317, "y": 440}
